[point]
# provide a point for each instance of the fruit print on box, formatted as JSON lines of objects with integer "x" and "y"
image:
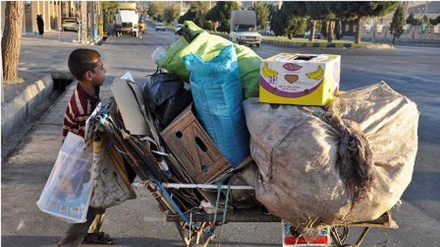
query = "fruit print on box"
{"x": 304, "y": 79}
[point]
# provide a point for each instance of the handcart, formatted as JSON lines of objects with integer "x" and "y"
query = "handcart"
{"x": 197, "y": 227}
{"x": 180, "y": 197}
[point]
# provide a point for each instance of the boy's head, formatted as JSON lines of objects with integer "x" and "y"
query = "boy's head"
{"x": 86, "y": 65}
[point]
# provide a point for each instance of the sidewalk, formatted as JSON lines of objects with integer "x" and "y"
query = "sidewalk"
{"x": 135, "y": 223}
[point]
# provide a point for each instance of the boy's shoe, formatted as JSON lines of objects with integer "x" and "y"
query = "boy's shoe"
{"x": 98, "y": 238}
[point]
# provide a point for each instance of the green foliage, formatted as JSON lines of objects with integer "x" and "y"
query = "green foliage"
{"x": 396, "y": 26}
{"x": 224, "y": 26}
{"x": 208, "y": 25}
{"x": 373, "y": 8}
{"x": 156, "y": 10}
{"x": 197, "y": 12}
{"x": 296, "y": 26}
{"x": 110, "y": 6}
{"x": 435, "y": 21}
{"x": 290, "y": 19}
{"x": 411, "y": 20}
{"x": 277, "y": 23}
{"x": 190, "y": 15}
{"x": 262, "y": 11}
{"x": 171, "y": 12}
{"x": 222, "y": 11}
{"x": 109, "y": 9}
{"x": 425, "y": 19}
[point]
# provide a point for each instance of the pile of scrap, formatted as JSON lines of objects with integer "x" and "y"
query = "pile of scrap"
{"x": 315, "y": 155}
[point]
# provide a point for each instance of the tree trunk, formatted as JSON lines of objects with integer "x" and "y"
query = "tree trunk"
{"x": 312, "y": 31}
{"x": 394, "y": 40}
{"x": 11, "y": 40}
{"x": 359, "y": 30}
{"x": 331, "y": 31}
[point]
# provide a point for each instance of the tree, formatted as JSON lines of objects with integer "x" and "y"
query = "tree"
{"x": 171, "y": 12}
{"x": 109, "y": 8}
{"x": 190, "y": 15}
{"x": 221, "y": 12}
{"x": 411, "y": 19}
{"x": 262, "y": 11}
{"x": 396, "y": 27}
{"x": 425, "y": 19}
{"x": 202, "y": 10}
{"x": 338, "y": 29}
{"x": 316, "y": 11}
{"x": 156, "y": 10}
{"x": 11, "y": 41}
{"x": 290, "y": 19}
{"x": 365, "y": 9}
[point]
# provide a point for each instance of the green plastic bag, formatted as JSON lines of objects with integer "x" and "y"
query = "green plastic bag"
{"x": 208, "y": 46}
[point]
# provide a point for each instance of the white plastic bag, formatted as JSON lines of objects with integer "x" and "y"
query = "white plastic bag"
{"x": 69, "y": 187}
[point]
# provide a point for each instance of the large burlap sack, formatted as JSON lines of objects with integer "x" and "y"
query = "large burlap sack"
{"x": 348, "y": 163}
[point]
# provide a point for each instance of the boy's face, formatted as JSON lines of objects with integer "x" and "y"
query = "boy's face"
{"x": 97, "y": 75}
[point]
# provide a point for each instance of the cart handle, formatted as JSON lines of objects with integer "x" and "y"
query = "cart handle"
{"x": 205, "y": 186}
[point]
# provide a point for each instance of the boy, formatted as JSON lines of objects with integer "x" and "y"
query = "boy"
{"x": 86, "y": 66}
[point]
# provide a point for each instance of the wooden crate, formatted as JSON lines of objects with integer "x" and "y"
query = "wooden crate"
{"x": 194, "y": 149}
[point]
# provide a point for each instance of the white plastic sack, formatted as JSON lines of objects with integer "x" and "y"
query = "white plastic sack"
{"x": 69, "y": 187}
{"x": 298, "y": 153}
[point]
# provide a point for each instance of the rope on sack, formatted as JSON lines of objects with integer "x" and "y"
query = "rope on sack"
{"x": 355, "y": 155}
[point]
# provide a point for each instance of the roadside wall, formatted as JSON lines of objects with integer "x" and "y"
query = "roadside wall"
{"x": 422, "y": 33}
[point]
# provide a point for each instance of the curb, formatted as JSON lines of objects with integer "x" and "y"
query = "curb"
{"x": 20, "y": 108}
{"x": 17, "y": 110}
{"x": 318, "y": 44}
{"x": 312, "y": 45}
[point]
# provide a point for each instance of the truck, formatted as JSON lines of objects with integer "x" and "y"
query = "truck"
{"x": 244, "y": 28}
{"x": 127, "y": 19}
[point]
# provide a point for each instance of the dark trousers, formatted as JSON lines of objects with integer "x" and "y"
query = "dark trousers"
{"x": 76, "y": 233}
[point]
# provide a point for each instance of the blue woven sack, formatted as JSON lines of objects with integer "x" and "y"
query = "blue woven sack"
{"x": 217, "y": 93}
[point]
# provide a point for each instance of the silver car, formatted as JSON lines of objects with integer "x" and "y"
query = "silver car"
{"x": 160, "y": 26}
{"x": 69, "y": 24}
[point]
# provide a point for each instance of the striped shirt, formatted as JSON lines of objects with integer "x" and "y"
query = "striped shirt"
{"x": 78, "y": 110}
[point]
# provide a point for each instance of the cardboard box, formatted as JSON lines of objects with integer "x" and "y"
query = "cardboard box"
{"x": 300, "y": 79}
{"x": 193, "y": 147}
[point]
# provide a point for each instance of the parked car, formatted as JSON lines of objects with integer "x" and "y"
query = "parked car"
{"x": 69, "y": 24}
{"x": 160, "y": 26}
{"x": 318, "y": 35}
{"x": 178, "y": 27}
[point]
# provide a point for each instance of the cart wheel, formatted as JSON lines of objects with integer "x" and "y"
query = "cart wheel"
{"x": 339, "y": 234}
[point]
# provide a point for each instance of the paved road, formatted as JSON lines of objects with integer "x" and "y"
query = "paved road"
{"x": 410, "y": 70}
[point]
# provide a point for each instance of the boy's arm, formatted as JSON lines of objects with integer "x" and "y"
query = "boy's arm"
{"x": 70, "y": 123}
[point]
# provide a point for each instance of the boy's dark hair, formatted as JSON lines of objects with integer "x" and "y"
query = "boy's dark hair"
{"x": 81, "y": 61}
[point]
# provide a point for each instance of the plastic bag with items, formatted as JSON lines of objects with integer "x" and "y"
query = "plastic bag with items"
{"x": 69, "y": 187}
{"x": 208, "y": 46}
{"x": 217, "y": 93}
